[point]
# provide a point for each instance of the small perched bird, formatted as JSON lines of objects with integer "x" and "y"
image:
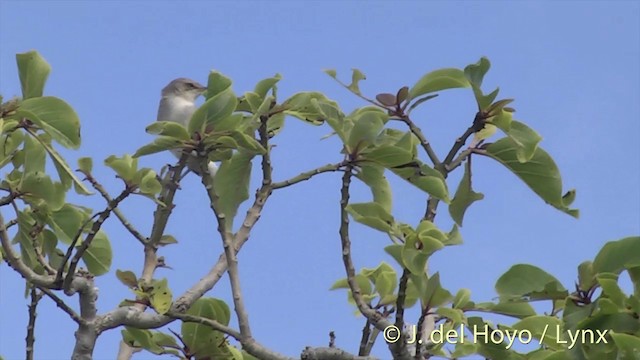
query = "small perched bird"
{"x": 178, "y": 104}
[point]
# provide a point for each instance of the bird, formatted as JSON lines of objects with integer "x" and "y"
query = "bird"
{"x": 177, "y": 104}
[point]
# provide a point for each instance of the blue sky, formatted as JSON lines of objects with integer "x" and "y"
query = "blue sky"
{"x": 573, "y": 68}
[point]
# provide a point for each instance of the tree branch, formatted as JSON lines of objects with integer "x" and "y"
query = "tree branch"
{"x": 30, "y": 339}
{"x": 132, "y": 230}
{"x": 308, "y": 175}
{"x": 91, "y": 235}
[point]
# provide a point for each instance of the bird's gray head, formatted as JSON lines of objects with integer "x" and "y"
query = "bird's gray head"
{"x": 185, "y": 88}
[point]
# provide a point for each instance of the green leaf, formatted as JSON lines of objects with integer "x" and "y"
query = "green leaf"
{"x": 140, "y": 338}
{"x": 526, "y": 139}
{"x": 455, "y": 315}
{"x": 128, "y": 278}
{"x": 586, "y": 276}
{"x": 462, "y": 299}
{"x": 437, "y": 80}
{"x": 248, "y": 143}
{"x": 616, "y": 256}
{"x": 216, "y": 84}
{"x": 164, "y": 340}
{"x": 201, "y": 339}
{"x": 388, "y": 156}
{"x": 161, "y": 296}
{"x": 55, "y": 117}
{"x": 538, "y": 326}
{"x": 475, "y": 72}
{"x": 424, "y": 178}
{"x": 432, "y": 293}
{"x": 34, "y": 156}
{"x": 371, "y": 214}
{"x": 306, "y": 106}
{"x": 161, "y": 143}
{"x": 515, "y": 309}
{"x": 628, "y": 345}
{"x": 215, "y": 110}
{"x": 98, "y": 256}
{"x": 363, "y": 283}
{"x": 263, "y": 87}
{"x": 170, "y": 129}
{"x": 373, "y": 176}
{"x": 331, "y": 72}
{"x": 529, "y": 282}
{"x": 149, "y": 183}
{"x": 85, "y": 164}
{"x": 9, "y": 146}
{"x": 63, "y": 168}
{"x": 167, "y": 240}
{"x": 366, "y": 128}
{"x": 33, "y": 71}
{"x": 356, "y": 77}
{"x": 37, "y": 186}
{"x": 231, "y": 183}
{"x": 66, "y": 222}
{"x": 126, "y": 166}
{"x": 464, "y": 197}
{"x": 540, "y": 173}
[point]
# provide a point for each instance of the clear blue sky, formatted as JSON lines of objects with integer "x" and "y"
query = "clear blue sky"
{"x": 573, "y": 68}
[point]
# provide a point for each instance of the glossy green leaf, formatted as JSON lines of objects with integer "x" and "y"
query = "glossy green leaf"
{"x": 475, "y": 72}
{"x": 515, "y": 309}
{"x": 215, "y": 110}
{"x": 216, "y": 84}
{"x": 437, "y": 80}
{"x": 98, "y": 256}
{"x": 33, "y": 71}
{"x": 167, "y": 240}
{"x": 371, "y": 214}
{"x": 526, "y": 139}
{"x": 388, "y": 156}
{"x": 540, "y": 173}
{"x": 586, "y": 276}
{"x": 161, "y": 296}
{"x": 462, "y": 299}
{"x": 37, "y": 186}
{"x": 9, "y": 146}
{"x": 66, "y": 222}
{"x": 168, "y": 128}
{"x": 231, "y": 183}
{"x": 127, "y": 277}
{"x": 363, "y": 283}
{"x": 263, "y": 87}
{"x": 125, "y": 166}
{"x": 85, "y": 164}
{"x": 628, "y": 345}
{"x": 248, "y": 143}
{"x": 149, "y": 183}
{"x": 34, "y": 156}
{"x": 161, "y": 143}
{"x": 306, "y": 106}
{"x": 528, "y": 281}
{"x": 424, "y": 178}
{"x": 464, "y": 197}
{"x": 373, "y": 176}
{"x": 141, "y": 338}
{"x": 55, "y": 117}
{"x": 616, "y": 256}
{"x": 543, "y": 328}
{"x": 356, "y": 77}
{"x": 201, "y": 339}
{"x": 64, "y": 170}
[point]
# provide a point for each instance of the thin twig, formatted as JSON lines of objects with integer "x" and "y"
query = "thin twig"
{"x": 31, "y": 326}
{"x": 132, "y": 230}
{"x": 97, "y": 225}
{"x": 62, "y": 305}
{"x": 308, "y": 175}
